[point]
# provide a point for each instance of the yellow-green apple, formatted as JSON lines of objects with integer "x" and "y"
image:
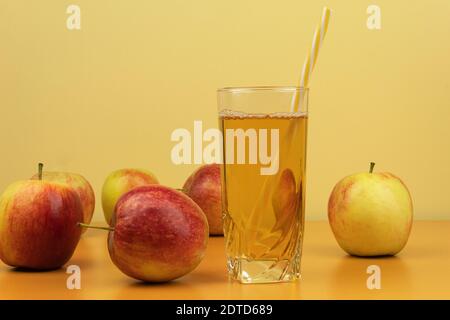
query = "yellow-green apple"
{"x": 39, "y": 224}
{"x": 81, "y": 186}
{"x": 159, "y": 234}
{"x": 371, "y": 213}
{"x": 120, "y": 182}
{"x": 204, "y": 187}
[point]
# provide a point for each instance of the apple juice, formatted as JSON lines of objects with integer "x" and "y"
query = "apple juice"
{"x": 263, "y": 210}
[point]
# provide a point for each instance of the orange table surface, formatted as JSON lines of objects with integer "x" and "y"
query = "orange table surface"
{"x": 420, "y": 271}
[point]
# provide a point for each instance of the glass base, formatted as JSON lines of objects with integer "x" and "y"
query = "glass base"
{"x": 263, "y": 271}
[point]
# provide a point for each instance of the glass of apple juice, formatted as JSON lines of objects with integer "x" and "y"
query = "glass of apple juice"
{"x": 263, "y": 180}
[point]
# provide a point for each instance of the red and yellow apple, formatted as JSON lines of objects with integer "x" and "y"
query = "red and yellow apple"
{"x": 371, "y": 213}
{"x": 81, "y": 186}
{"x": 120, "y": 182}
{"x": 204, "y": 187}
{"x": 159, "y": 234}
{"x": 39, "y": 224}
{"x": 285, "y": 201}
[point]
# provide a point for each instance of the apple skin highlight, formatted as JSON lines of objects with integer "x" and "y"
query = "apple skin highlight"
{"x": 39, "y": 224}
{"x": 159, "y": 234}
{"x": 371, "y": 214}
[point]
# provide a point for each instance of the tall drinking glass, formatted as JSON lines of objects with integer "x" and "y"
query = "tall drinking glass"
{"x": 263, "y": 180}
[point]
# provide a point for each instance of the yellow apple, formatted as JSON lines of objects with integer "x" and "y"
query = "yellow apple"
{"x": 120, "y": 182}
{"x": 371, "y": 213}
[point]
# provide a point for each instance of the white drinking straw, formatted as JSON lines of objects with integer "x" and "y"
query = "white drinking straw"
{"x": 310, "y": 62}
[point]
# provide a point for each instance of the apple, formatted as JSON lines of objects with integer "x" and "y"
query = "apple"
{"x": 81, "y": 186}
{"x": 204, "y": 187}
{"x": 158, "y": 234}
{"x": 120, "y": 182}
{"x": 285, "y": 201}
{"x": 39, "y": 224}
{"x": 371, "y": 213}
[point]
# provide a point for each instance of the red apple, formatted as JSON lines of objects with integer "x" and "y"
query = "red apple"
{"x": 39, "y": 224}
{"x": 204, "y": 187}
{"x": 159, "y": 234}
{"x": 81, "y": 186}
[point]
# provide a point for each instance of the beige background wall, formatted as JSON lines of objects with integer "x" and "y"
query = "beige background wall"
{"x": 109, "y": 95}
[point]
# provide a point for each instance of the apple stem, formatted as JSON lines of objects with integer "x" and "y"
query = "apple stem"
{"x": 372, "y": 165}
{"x": 40, "y": 169}
{"x": 84, "y": 225}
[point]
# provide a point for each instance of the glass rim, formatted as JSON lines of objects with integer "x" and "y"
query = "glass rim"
{"x": 263, "y": 88}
